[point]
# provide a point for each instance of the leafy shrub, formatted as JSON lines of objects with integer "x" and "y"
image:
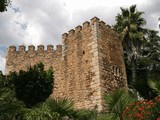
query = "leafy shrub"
{"x": 33, "y": 86}
{"x": 143, "y": 110}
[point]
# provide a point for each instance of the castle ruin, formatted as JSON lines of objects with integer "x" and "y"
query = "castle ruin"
{"x": 87, "y": 65}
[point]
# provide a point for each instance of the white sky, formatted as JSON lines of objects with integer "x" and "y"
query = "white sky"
{"x": 44, "y": 21}
{"x": 85, "y": 4}
{"x": 73, "y": 5}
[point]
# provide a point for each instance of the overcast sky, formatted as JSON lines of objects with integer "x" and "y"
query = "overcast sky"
{"x": 44, "y": 21}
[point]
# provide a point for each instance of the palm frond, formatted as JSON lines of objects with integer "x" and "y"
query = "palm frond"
{"x": 155, "y": 85}
{"x": 61, "y": 106}
{"x": 117, "y": 102}
{"x": 125, "y": 12}
{"x": 132, "y": 8}
{"x": 129, "y": 23}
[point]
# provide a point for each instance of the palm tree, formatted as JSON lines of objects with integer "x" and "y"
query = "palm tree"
{"x": 62, "y": 107}
{"x": 117, "y": 102}
{"x": 129, "y": 24}
{"x": 4, "y": 4}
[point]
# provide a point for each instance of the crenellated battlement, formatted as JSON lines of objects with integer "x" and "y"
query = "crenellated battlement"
{"x": 87, "y": 25}
{"x": 21, "y": 57}
{"x": 12, "y": 48}
{"x": 32, "y": 48}
{"x": 22, "y": 48}
{"x": 80, "y": 28}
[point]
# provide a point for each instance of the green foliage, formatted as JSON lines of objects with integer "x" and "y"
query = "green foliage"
{"x": 85, "y": 114}
{"x": 27, "y": 86}
{"x": 148, "y": 65}
{"x": 4, "y": 4}
{"x": 106, "y": 116}
{"x": 33, "y": 86}
{"x": 61, "y": 106}
{"x": 57, "y": 109}
{"x": 141, "y": 50}
{"x": 10, "y": 107}
{"x": 155, "y": 86}
{"x": 40, "y": 112}
{"x": 151, "y": 53}
{"x": 129, "y": 24}
{"x": 64, "y": 108}
{"x": 117, "y": 101}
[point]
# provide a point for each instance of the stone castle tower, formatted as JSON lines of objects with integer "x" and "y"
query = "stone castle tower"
{"x": 88, "y": 64}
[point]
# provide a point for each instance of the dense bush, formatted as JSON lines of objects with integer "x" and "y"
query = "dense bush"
{"x": 143, "y": 110}
{"x": 33, "y": 86}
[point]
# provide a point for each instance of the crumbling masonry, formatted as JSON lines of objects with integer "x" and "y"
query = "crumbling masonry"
{"x": 88, "y": 64}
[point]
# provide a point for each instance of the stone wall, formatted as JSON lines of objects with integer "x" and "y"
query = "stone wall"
{"x": 87, "y": 65}
{"x": 21, "y": 59}
{"x": 111, "y": 62}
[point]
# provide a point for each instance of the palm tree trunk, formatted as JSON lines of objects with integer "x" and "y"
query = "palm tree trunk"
{"x": 133, "y": 68}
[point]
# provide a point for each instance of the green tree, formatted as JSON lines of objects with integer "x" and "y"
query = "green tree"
{"x": 148, "y": 65}
{"x": 129, "y": 24}
{"x": 151, "y": 53}
{"x": 4, "y": 4}
{"x": 10, "y": 107}
{"x": 33, "y": 86}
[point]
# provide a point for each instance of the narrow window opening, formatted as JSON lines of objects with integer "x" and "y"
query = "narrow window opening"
{"x": 83, "y": 52}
